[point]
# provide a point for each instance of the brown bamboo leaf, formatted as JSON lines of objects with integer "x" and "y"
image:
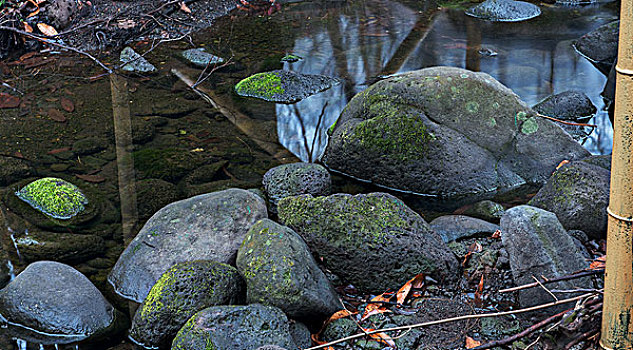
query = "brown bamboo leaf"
{"x": 56, "y": 115}
{"x": 27, "y": 27}
{"x": 91, "y": 178}
{"x": 563, "y": 162}
{"x": 34, "y": 13}
{"x": 376, "y": 308}
{"x": 8, "y": 101}
{"x": 472, "y": 343}
{"x": 403, "y": 292}
{"x": 381, "y": 337}
{"x": 599, "y": 263}
{"x": 47, "y": 29}
{"x": 479, "y": 292}
{"x": 67, "y": 105}
{"x": 340, "y": 314}
{"x": 184, "y": 7}
{"x": 496, "y": 234}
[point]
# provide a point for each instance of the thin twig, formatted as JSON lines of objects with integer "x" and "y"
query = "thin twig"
{"x": 48, "y": 41}
{"x": 565, "y": 122}
{"x": 551, "y": 280}
{"x": 583, "y": 337}
{"x": 543, "y": 286}
{"x": 453, "y": 319}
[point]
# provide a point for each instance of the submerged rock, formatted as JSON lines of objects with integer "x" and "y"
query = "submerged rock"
{"x": 235, "y": 328}
{"x": 538, "y": 245}
{"x": 280, "y": 271}
{"x": 201, "y": 59}
{"x": 568, "y": 105}
{"x": 504, "y": 10}
{"x": 52, "y": 303}
{"x": 206, "y": 227}
{"x": 373, "y": 241}
{"x": 61, "y": 247}
{"x": 54, "y": 197}
{"x": 446, "y": 132}
{"x": 283, "y": 86}
{"x": 135, "y": 63}
{"x": 454, "y": 227}
{"x": 178, "y": 294}
{"x": 13, "y": 169}
{"x": 295, "y": 179}
{"x": 578, "y": 193}
{"x": 291, "y": 58}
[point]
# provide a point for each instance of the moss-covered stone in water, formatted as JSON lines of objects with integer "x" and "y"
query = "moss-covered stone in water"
{"x": 401, "y": 136}
{"x": 265, "y": 85}
{"x": 54, "y": 197}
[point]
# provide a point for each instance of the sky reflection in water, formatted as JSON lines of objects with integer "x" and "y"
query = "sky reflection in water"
{"x": 534, "y": 58}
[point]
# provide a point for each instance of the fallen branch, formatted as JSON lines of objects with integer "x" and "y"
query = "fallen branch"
{"x": 565, "y": 122}
{"x": 583, "y": 337}
{"x": 453, "y": 319}
{"x": 552, "y": 280}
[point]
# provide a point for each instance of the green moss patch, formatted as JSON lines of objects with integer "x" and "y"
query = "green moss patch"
{"x": 263, "y": 85}
{"x": 54, "y": 197}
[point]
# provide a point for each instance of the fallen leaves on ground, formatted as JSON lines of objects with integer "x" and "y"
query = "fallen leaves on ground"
{"x": 472, "y": 343}
{"x": 381, "y": 337}
{"x": 474, "y": 248}
{"x": 479, "y": 292}
{"x": 56, "y": 115}
{"x": 67, "y": 105}
{"x": 46, "y": 29}
{"x": 8, "y": 101}
{"x": 416, "y": 282}
{"x": 377, "y": 306}
{"x": 599, "y": 263}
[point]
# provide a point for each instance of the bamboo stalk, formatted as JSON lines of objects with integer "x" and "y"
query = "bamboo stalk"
{"x": 617, "y": 326}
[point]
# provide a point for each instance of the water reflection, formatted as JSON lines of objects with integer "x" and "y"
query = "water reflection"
{"x": 534, "y": 58}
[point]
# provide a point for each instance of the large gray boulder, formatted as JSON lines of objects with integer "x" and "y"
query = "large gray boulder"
{"x": 447, "y": 132}
{"x": 52, "y": 303}
{"x": 373, "y": 241}
{"x": 235, "y": 328}
{"x": 567, "y": 105}
{"x": 578, "y": 193}
{"x": 280, "y": 271}
{"x": 538, "y": 245}
{"x": 181, "y": 291}
{"x": 206, "y": 227}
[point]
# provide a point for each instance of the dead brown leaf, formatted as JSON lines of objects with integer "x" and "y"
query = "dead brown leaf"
{"x": 376, "y": 308}
{"x": 472, "y": 343}
{"x": 56, "y": 115}
{"x": 599, "y": 263}
{"x": 27, "y": 27}
{"x": 381, "y": 337}
{"x": 8, "y": 101}
{"x": 67, "y": 105}
{"x": 47, "y": 29}
{"x": 415, "y": 282}
{"x": 184, "y": 7}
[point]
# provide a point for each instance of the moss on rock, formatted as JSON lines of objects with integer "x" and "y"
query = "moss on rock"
{"x": 54, "y": 197}
{"x": 265, "y": 85}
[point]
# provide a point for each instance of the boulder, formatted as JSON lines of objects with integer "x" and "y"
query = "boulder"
{"x": 295, "y": 179}
{"x": 280, "y": 271}
{"x": 486, "y": 210}
{"x": 135, "y": 63}
{"x": 206, "y": 227}
{"x": 504, "y": 11}
{"x": 446, "y": 132}
{"x": 283, "y": 86}
{"x": 13, "y": 169}
{"x": 179, "y": 293}
{"x": 54, "y": 197}
{"x": 568, "y": 105}
{"x": 538, "y": 245}
{"x": 600, "y": 45}
{"x": 201, "y": 59}
{"x": 235, "y": 328}
{"x": 454, "y": 227}
{"x": 373, "y": 241}
{"x": 52, "y": 303}
{"x": 62, "y": 247}
{"x": 578, "y": 193}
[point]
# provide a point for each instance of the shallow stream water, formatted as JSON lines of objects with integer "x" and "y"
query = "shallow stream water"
{"x": 170, "y": 131}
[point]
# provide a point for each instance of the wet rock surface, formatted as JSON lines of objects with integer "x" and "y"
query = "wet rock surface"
{"x": 62, "y": 308}
{"x": 486, "y": 210}
{"x": 295, "y": 179}
{"x": 538, "y": 245}
{"x": 13, "y": 169}
{"x": 578, "y": 193}
{"x": 401, "y": 133}
{"x": 453, "y": 227}
{"x": 600, "y": 45}
{"x": 206, "y": 227}
{"x": 178, "y": 294}
{"x": 235, "y": 328}
{"x": 61, "y": 247}
{"x": 504, "y": 10}
{"x": 135, "y": 63}
{"x": 283, "y": 86}
{"x": 200, "y": 58}
{"x": 280, "y": 271}
{"x": 361, "y": 238}
{"x": 568, "y": 105}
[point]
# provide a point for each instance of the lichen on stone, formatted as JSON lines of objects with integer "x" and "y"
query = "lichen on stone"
{"x": 54, "y": 197}
{"x": 265, "y": 85}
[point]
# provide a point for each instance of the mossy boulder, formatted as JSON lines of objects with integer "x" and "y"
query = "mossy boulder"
{"x": 373, "y": 241}
{"x": 280, "y": 271}
{"x": 235, "y": 328}
{"x": 52, "y": 303}
{"x": 295, "y": 179}
{"x": 56, "y": 246}
{"x": 538, "y": 245}
{"x": 54, "y": 197}
{"x": 504, "y": 10}
{"x": 283, "y": 86}
{"x": 206, "y": 227}
{"x": 578, "y": 193}
{"x": 446, "y": 132}
{"x": 179, "y": 293}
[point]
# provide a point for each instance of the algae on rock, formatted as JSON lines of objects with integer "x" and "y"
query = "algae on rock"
{"x": 54, "y": 197}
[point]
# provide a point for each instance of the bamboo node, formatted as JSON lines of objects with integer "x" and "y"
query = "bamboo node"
{"x": 619, "y": 217}
{"x": 623, "y": 70}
